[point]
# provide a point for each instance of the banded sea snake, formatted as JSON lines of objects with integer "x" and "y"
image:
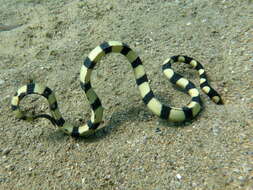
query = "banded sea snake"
{"x": 163, "y": 111}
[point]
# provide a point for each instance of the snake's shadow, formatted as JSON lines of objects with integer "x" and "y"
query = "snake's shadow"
{"x": 135, "y": 113}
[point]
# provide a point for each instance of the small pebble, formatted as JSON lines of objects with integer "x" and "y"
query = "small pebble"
{"x": 7, "y": 151}
{"x": 10, "y": 167}
{"x": 241, "y": 178}
{"x": 249, "y": 153}
{"x": 157, "y": 130}
{"x": 1, "y": 81}
{"x": 179, "y": 176}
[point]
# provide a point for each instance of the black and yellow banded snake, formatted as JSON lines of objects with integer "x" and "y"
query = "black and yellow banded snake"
{"x": 163, "y": 111}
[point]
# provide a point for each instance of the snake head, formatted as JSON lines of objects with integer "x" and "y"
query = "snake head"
{"x": 67, "y": 128}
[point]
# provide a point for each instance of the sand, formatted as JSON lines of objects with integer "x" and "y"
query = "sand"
{"x": 47, "y": 41}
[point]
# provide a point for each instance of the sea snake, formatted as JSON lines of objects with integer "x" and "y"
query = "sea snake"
{"x": 174, "y": 114}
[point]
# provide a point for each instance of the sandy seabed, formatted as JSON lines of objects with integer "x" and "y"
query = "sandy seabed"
{"x": 47, "y": 41}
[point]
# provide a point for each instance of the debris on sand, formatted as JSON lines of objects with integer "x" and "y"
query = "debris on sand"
{"x": 8, "y": 27}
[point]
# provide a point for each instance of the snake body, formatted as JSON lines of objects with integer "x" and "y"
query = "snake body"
{"x": 163, "y": 111}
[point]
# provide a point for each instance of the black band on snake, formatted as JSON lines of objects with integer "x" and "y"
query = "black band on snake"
{"x": 163, "y": 111}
